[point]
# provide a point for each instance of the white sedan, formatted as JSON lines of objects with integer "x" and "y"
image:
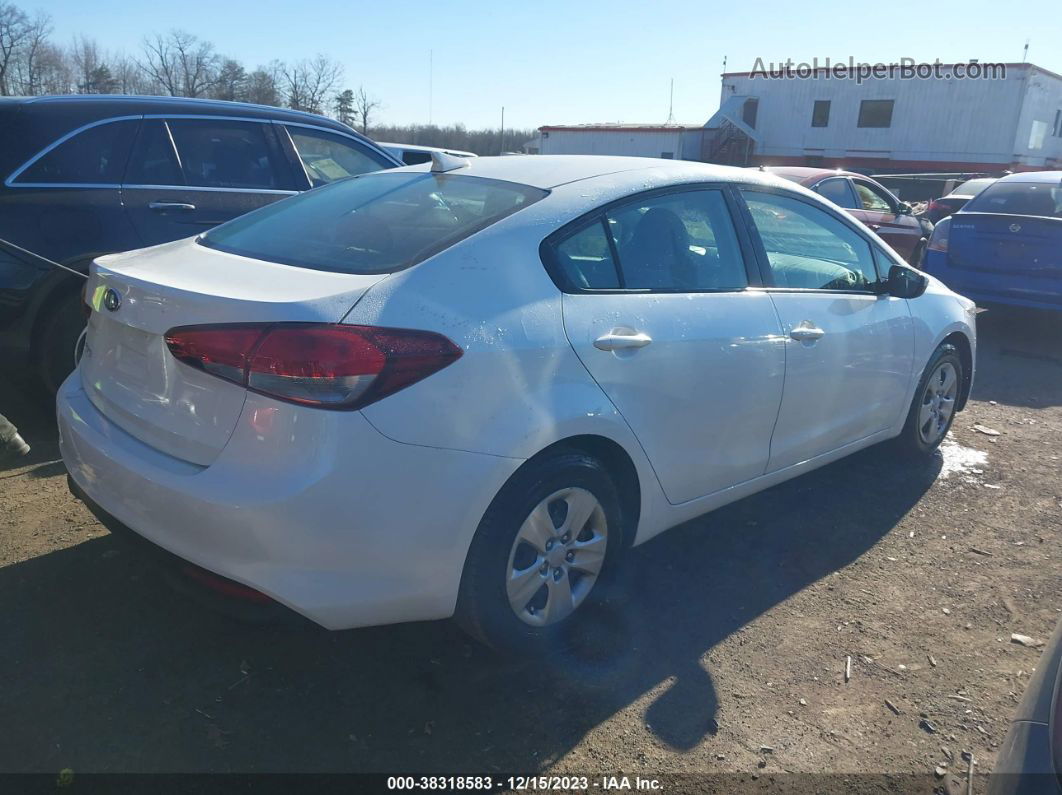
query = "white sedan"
{"x": 469, "y": 390}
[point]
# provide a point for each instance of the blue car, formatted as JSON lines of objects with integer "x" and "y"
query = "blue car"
{"x": 1005, "y": 245}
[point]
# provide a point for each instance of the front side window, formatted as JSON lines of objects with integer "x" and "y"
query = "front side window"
{"x": 96, "y": 155}
{"x": 224, "y": 154}
{"x": 871, "y": 198}
{"x": 328, "y": 157}
{"x": 377, "y": 223}
{"x": 875, "y": 113}
{"x": 838, "y": 191}
{"x": 681, "y": 242}
{"x": 808, "y": 248}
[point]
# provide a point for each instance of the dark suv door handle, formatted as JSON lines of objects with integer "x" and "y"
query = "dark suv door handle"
{"x": 875, "y": 227}
{"x": 164, "y": 206}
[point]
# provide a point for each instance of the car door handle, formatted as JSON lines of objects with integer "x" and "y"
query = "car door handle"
{"x": 806, "y": 333}
{"x": 875, "y": 227}
{"x": 622, "y": 339}
{"x": 164, "y": 206}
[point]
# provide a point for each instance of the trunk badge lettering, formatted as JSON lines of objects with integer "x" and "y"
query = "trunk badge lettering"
{"x": 1015, "y": 227}
{"x": 112, "y": 299}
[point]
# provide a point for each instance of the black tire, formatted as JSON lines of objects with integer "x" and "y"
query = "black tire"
{"x": 912, "y": 442}
{"x": 61, "y": 328}
{"x": 483, "y": 608}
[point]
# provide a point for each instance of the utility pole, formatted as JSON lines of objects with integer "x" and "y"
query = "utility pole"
{"x": 431, "y": 58}
{"x": 1025, "y": 52}
{"x": 501, "y": 144}
{"x": 671, "y": 104}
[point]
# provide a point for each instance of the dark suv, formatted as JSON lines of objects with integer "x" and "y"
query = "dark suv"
{"x": 91, "y": 175}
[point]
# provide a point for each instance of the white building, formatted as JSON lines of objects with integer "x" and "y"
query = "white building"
{"x": 669, "y": 141}
{"x": 893, "y": 124}
{"x": 877, "y": 125}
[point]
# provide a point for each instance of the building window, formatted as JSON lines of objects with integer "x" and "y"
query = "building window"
{"x": 667, "y": 155}
{"x": 748, "y": 112}
{"x": 875, "y": 113}
{"x": 820, "y": 115}
{"x": 1058, "y": 124}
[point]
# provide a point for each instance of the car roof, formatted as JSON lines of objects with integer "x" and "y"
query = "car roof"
{"x": 117, "y": 104}
{"x": 28, "y": 124}
{"x": 805, "y": 175}
{"x": 550, "y": 171}
{"x": 1039, "y": 177}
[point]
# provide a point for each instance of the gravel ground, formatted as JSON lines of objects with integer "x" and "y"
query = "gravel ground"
{"x": 733, "y": 635}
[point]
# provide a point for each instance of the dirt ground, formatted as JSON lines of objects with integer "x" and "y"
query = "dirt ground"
{"x": 733, "y": 635}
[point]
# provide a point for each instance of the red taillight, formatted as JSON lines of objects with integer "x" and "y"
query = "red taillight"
{"x": 329, "y": 366}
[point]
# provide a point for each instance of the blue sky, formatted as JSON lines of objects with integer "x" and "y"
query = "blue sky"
{"x": 568, "y": 62}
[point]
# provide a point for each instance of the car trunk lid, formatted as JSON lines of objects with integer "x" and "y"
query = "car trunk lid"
{"x": 127, "y": 369}
{"x": 1012, "y": 244}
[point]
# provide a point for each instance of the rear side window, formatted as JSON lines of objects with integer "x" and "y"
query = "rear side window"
{"x": 377, "y": 223}
{"x": 93, "y": 156}
{"x": 585, "y": 259}
{"x": 154, "y": 161}
{"x": 682, "y": 242}
{"x": 1018, "y": 198}
{"x": 328, "y": 157}
{"x": 838, "y": 191}
{"x": 809, "y": 249}
{"x": 224, "y": 154}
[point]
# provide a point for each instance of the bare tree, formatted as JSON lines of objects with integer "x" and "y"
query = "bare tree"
{"x": 308, "y": 83}
{"x": 364, "y": 108}
{"x": 181, "y": 64}
{"x": 15, "y": 29}
{"x": 263, "y": 84}
{"x": 26, "y": 70}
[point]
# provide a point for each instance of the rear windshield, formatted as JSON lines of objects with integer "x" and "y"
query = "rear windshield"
{"x": 376, "y": 223}
{"x": 972, "y": 187}
{"x": 1019, "y": 198}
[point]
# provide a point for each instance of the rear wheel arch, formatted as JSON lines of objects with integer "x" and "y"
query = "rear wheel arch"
{"x": 619, "y": 466}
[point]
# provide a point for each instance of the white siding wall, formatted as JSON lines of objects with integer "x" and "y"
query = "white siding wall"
{"x": 942, "y": 120}
{"x": 591, "y": 141}
{"x": 1043, "y": 99}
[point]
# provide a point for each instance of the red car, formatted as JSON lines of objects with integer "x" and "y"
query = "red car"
{"x": 868, "y": 201}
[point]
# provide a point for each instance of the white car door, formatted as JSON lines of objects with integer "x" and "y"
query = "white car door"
{"x": 658, "y": 309}
{"x": 849, "y": 348}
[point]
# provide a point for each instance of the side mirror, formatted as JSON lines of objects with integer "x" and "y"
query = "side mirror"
{"x": 905, "y": 209}
{"x": 906, "y": 282}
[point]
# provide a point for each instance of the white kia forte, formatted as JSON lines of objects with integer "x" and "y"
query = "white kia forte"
{"x": 469, "y": 390}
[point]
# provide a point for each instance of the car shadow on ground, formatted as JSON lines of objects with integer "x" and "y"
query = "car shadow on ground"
{"x": 105, "y": 668}
{"x": 1019, "y": 356}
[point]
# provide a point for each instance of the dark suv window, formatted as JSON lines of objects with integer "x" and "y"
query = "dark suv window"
{"x": 224, "y": 154}
{"x": 93, "y": 156}
{"x": 154, "y": 161}
{"x": 328, "y": 157}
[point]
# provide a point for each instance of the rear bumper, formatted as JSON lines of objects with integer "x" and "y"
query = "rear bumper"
{"x": 315, "y": 509}
{"x": 996, "y": 287}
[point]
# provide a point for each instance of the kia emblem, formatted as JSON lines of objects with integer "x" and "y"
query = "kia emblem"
{"x": 1015, "y": 227}
{"x": 112, "y": 299}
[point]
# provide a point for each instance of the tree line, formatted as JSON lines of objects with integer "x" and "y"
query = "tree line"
{"x": 180, "y": 64}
